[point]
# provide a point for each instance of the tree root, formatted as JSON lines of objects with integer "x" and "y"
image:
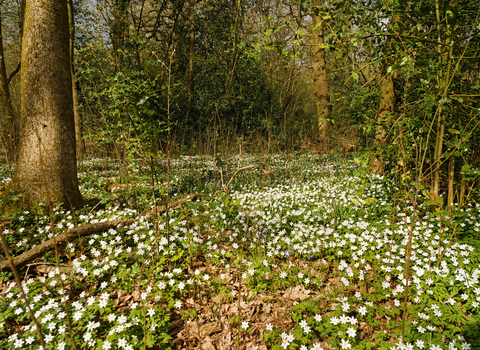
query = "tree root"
{"x": 86, "y": 230}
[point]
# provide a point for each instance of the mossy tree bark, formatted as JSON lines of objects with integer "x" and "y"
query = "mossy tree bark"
{"x": 322, "y": 97}
{"x": 8, "y": 130}
{"x": 119, "y": 29}
{"x": 46, "y": 162}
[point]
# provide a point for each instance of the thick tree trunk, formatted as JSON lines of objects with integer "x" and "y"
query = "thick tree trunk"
{"x": 46, "y": 163}
{"x": 322, "y": 97}
{"x": 8, "y": 117}
{"x": 80, "y": 144}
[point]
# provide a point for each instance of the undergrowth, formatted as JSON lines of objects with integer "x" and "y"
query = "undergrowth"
{"x": 303, "y": 252}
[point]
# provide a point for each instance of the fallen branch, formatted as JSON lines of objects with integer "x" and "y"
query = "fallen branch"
{"x": 86, "y": 230}
{"x": 233, "y": 176}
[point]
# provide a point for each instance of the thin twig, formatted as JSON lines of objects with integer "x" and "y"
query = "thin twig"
{"x": 19, "y": 284}
{"x": 233, "y": 176}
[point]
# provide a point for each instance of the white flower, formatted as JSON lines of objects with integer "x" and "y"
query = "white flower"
{"x": 362, "y": 310}
{"x": 245, "y": 324}
{"x": 420, "y": 344}
{"x": 122, "y": 343}
{"x": 351, "y": 332}
{"x": 106, "y": 345}
{"x": 18, "y": 343}
{"x": 318, "y": 317}
{"x": 346, "y": 344}
{"x": 269, "y": 327}
{"x": 178, "y": 304}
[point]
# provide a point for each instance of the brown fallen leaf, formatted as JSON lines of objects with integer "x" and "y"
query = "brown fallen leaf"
{"x": 210, "y": 328}
{"x": 297, "y": 293}
{"x": 208, "y": 346}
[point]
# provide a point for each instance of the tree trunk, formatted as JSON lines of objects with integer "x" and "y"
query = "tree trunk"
{"x": 444, "y": 79}
{"x": 385, "y": 109}
{"x": 119, "y": 30}
{"x": 233, "y": 61}
{"x": 322, "y": 98}
{"x": 8, "y": 132}
{"x": 46, "y": 164}
{"x": 191, "y": 75}
{"x": 451, "y": 178}
{"x": 80, "y": 145}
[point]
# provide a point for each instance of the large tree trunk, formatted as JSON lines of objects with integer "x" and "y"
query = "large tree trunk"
{"x": 46, "y": 163}
{"x": 76, "y": 114}
{"x": 322, "y": 97}
{"x": 8, "y": 132}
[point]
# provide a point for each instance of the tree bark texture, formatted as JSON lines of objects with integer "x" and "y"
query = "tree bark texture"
{"x": 80, "y": 144}
{"x": 385, "y": 109}
{"x": 8, "y": 117}
{"x": 46, "y": 155}
{"x": 322, "y": 97}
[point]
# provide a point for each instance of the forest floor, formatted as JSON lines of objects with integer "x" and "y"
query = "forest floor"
{"x": 295, "y": 252}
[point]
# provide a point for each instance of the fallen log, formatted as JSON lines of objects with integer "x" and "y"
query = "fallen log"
{"x": 86, "y": 230}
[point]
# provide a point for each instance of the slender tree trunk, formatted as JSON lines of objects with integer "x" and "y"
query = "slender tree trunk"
{"x": 451, "y": 178}
{"x": 80, "y": 144}
{"x": 191, "y": 75}
{"x": 322, "y": 97}
{"x": 233, "y": 61}
{"x": 46, "y": 163}
{"x": 8, "y": 131}
{"x": 385, "y": 112}
{"x": 119, "y": 29}
{"x": 385, "y": 109}
{"x": 444, "y": 79}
